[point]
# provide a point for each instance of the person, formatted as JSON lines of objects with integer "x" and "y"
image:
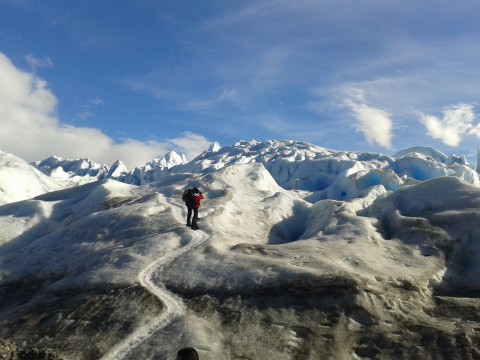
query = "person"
{"x": 187, "y": 354}
{"x": 192, "y": 198}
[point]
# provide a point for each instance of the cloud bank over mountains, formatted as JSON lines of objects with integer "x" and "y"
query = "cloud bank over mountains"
{"x": 31, "y": 128}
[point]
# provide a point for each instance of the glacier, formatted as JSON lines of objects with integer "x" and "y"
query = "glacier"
{"x": 302, "y": 253}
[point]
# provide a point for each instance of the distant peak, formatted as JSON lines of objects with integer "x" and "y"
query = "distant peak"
{"x": 171, "y": 154}
{"x": 171, "y": 159}
{"x": 118, "y": 168}
{"x": 118, "y": 163}
{"x": 214, "y": 146}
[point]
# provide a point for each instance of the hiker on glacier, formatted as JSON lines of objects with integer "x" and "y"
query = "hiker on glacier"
{"x": 192, "y": 198}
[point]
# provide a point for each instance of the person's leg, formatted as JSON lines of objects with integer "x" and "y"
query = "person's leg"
{"x": 195, "y": 219}
{"x": 189, "y": 215}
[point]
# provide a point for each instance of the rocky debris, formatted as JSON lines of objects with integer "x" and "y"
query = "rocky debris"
{"x": 10, "y": 351}
{"x": 340, "y": 326}
{"x": 67, "y": 319}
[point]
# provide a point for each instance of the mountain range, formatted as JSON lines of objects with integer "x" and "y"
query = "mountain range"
{"x": 302, "y": 253}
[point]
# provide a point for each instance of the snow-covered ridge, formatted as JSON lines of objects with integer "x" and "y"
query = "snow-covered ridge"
{"x": 339, "y": 175}
{"x": 84, "y": 170}
{"x": 20, "y": 181}
{"x": 295, "y": 165}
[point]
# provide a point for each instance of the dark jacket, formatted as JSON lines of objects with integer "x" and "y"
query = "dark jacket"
{"x": 192, "y": 199}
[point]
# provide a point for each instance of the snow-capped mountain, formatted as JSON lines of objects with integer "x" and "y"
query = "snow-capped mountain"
{"x": 170, "y": 160}
{"x": 214, "y": 146}
{"x": 154, "y": 169}
{"x": 117, "y": 170}
{"x": 82, "y": 171}
{"x": 302, "y": 253}
{"x": 293, "y": 164}
{"x": 20, "y": 181}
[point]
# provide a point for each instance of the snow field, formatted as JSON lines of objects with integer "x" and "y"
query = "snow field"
{"x": 351, "y": 253}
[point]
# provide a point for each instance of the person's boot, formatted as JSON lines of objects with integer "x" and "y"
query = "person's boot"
{"x": 194, "y": 227}
{"x": 188, "y": 224}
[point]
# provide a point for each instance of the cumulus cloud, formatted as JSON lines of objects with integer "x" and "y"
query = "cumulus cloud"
{"x": 190, "y": 143}
{"x": 456, "y": 122}
{"x": 31, "y": 130}
{"x": 375, "y": 124}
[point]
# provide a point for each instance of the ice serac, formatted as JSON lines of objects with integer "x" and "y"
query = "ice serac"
{"x": 425, "y": 151}
{"x": 337, "y": 175}
{"x": 20, "y": 180}
{"x": 295, "y": 165}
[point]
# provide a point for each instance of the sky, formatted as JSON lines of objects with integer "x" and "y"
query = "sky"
{"x": 131, "y": 80}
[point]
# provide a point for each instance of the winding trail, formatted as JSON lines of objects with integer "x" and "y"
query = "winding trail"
{"x": 173, "y": 305}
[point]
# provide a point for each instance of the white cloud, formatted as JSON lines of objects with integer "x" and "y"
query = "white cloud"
{"x": 30, "y": 129}
{"x": 190, "y": 144}
{"x": 375, "y": 124}
{"x": 87, "y": 110}
{"x": 36, "y": 63}
{"x": 457, "y": 121}
{"x": 226, "y": 96}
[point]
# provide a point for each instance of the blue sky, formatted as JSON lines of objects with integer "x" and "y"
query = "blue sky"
{"x": 134, "y": 79}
